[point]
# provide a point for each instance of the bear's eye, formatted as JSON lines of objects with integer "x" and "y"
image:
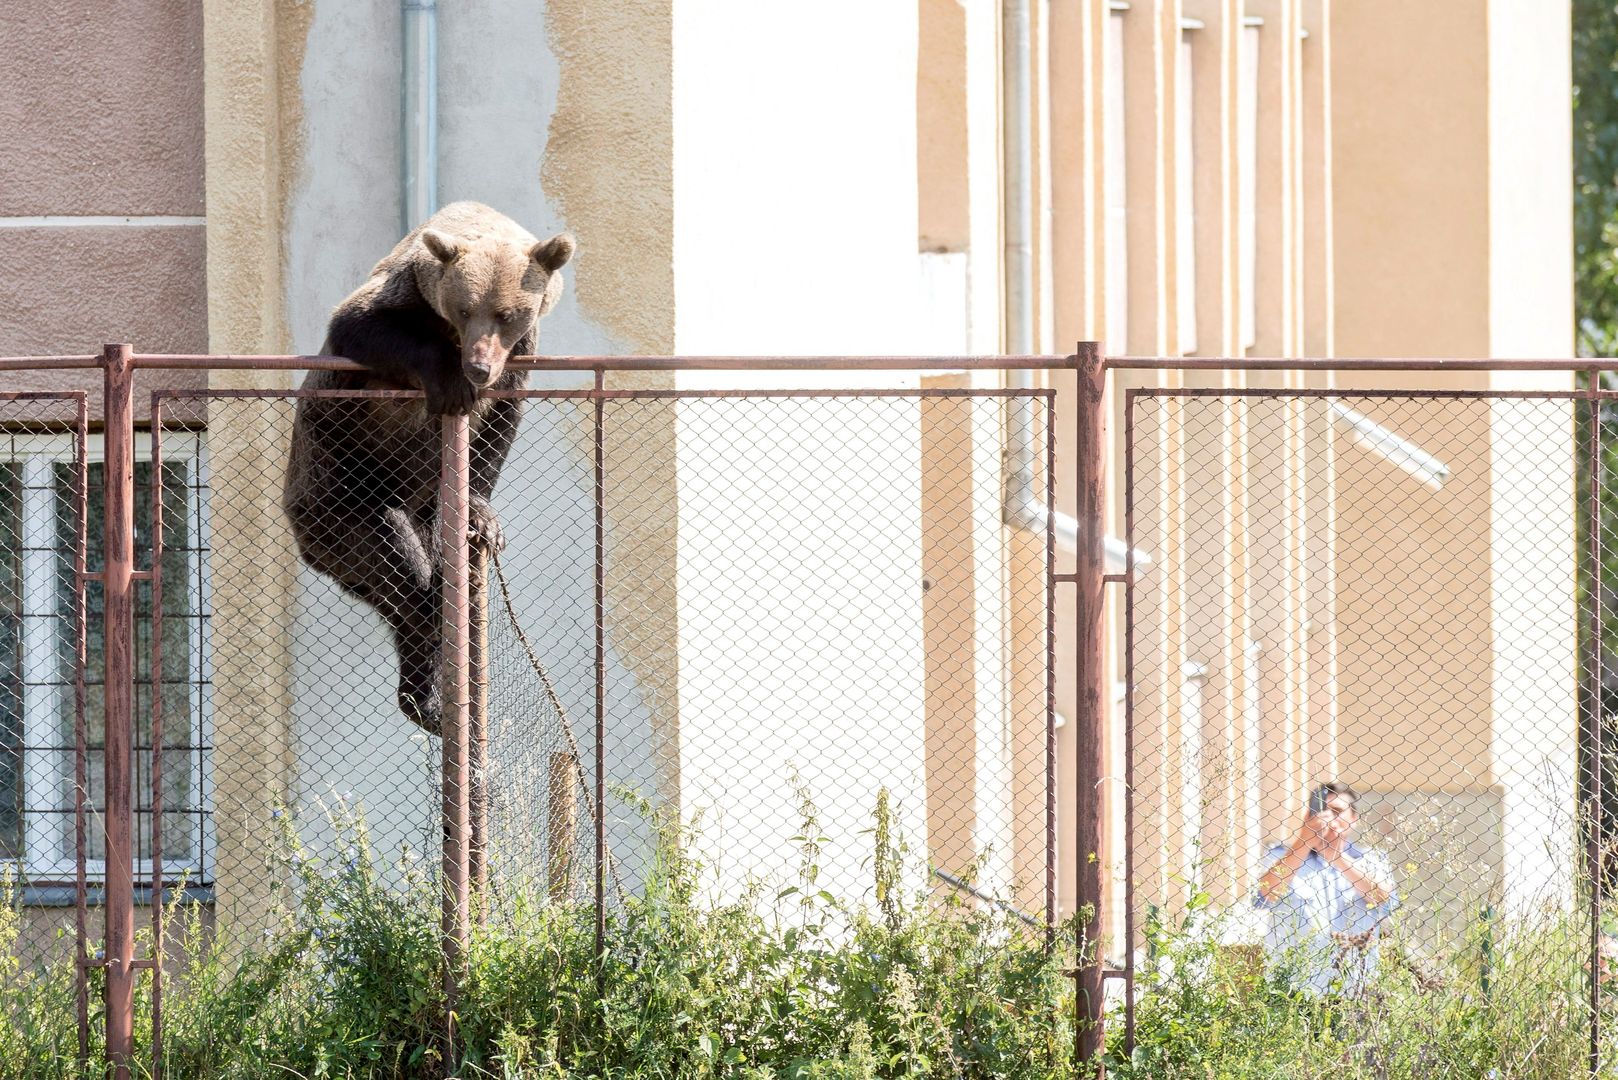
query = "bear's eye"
{"x": 466, "y": 313}
{"x": 504, "y": 315}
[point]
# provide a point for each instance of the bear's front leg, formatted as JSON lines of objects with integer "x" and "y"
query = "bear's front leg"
{"x": 449, "y": 393}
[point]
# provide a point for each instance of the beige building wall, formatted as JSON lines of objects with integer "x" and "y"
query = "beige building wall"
{"x": 1394, "y": 205}
{"x": 102, "y": 239}
{"x": 252, "y": 56}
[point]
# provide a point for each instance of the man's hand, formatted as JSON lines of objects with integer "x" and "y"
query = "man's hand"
{"x": 1275, "y": 882}
{"x": 1372, "y": 891}
{"x": 1308, "y": 837}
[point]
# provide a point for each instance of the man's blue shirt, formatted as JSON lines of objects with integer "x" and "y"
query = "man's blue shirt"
{"x": 1319, "y": 902}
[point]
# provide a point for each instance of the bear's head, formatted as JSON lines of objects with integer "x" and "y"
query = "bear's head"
{"x": 491, "y": 292}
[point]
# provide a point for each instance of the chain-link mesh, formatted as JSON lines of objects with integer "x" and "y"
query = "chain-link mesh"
{"x": 49, "y": 792}
{"x": 1382, "y": 592}
{"x": 804, "y": 602}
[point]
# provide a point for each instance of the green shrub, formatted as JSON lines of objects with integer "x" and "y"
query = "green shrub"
{"x": 786, "y": 982}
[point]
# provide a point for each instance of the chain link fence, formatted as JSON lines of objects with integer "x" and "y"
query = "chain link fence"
{"x": 806, "y": 600}
{"x": 746, "y": 630}
{"x": 50, "y": 675}
{"x": 1385, "y": 591}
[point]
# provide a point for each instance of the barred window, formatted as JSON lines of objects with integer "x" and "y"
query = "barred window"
{"x": 38, "y": 534}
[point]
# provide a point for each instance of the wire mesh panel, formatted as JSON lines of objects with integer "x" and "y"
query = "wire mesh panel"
{"x": 781, "y": 660}
{"x": 806, "y": 602}
{"x": 305, "y": 747}
{"x": 49, "y": 782}
{"x": 1360, "y": 750}
{"x": 806, "y": 605}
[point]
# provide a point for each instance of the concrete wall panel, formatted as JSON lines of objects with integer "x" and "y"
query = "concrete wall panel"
{"x": 70, "y": 289}
{"x": 102, "y": 109}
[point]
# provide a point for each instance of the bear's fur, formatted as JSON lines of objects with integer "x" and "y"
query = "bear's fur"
{"x": 440, "y": 314}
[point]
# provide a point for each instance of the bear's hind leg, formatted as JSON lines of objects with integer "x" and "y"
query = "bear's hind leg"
{"x": 378, "y": 557}
{"x": 408, "y": 600}
{"x": 415, "y": 636}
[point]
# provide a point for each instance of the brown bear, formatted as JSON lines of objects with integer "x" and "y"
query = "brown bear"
{"x": 440, "y": 314}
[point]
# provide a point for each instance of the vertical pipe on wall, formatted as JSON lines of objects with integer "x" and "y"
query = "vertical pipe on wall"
{"x": 118, "y": 492}
{"x": 420, "y": 106}
{"x": 1017, "y": 166}
{"x": 1022, "y": 508}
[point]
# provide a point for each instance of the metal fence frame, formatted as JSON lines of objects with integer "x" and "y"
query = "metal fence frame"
{"x": 1089, "y": 579}
{"x": 459, "y": 864}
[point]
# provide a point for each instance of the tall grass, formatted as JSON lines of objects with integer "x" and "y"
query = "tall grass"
{"x": 787, "y": 982}
{"x": 1508, "y": 1001}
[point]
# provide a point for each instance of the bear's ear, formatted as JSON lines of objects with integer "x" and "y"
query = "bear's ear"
{"x": 552, "y": 254}
{"x": 442, "y": 245}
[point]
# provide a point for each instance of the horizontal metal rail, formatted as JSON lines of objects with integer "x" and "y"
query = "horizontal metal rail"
{"x": 532, "y": 394}
{"x": 1357, "y": 363}
{"x": 289, "y": 362}
{"x": 640, "y": 363}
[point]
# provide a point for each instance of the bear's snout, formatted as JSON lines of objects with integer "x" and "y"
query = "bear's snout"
{"x": 483, "y": 360}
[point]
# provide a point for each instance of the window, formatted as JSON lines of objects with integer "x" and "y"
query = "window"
{"x": 38, "y": 531}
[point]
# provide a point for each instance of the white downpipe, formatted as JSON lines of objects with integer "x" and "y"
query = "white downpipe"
{"x": 1017, "y": 185}
{"x": 420, "y": 109}
{"x": 1024, "y": 506}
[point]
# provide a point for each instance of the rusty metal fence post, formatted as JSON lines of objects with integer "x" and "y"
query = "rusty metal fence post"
{"x": 454, "y": 519}
{"x": 1594, "y": 854}
{"x": 598, "y": 436}
{"x": 117, "y": 581}
{"x": 478, "y": 731}
{"x": 1090, "y": 763}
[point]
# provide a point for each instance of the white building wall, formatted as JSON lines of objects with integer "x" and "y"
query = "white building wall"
{"x": 1533, "y": 529}
{"x": 796, "y": 227}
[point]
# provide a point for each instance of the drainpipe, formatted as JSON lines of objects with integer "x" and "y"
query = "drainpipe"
{"x": 1024, "y": 507}
{"x": 420, "y": 79}
{"x": 1017, "y": 185}
{"x": 1024, "y": 503}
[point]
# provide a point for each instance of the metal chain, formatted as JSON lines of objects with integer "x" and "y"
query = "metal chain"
{"x": 556, "y": 703}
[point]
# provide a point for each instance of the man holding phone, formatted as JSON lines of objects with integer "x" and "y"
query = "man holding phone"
{"x": 1326, "y": 896}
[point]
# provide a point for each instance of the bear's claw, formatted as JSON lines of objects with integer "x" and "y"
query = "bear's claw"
{"x": 484, "y": 528}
